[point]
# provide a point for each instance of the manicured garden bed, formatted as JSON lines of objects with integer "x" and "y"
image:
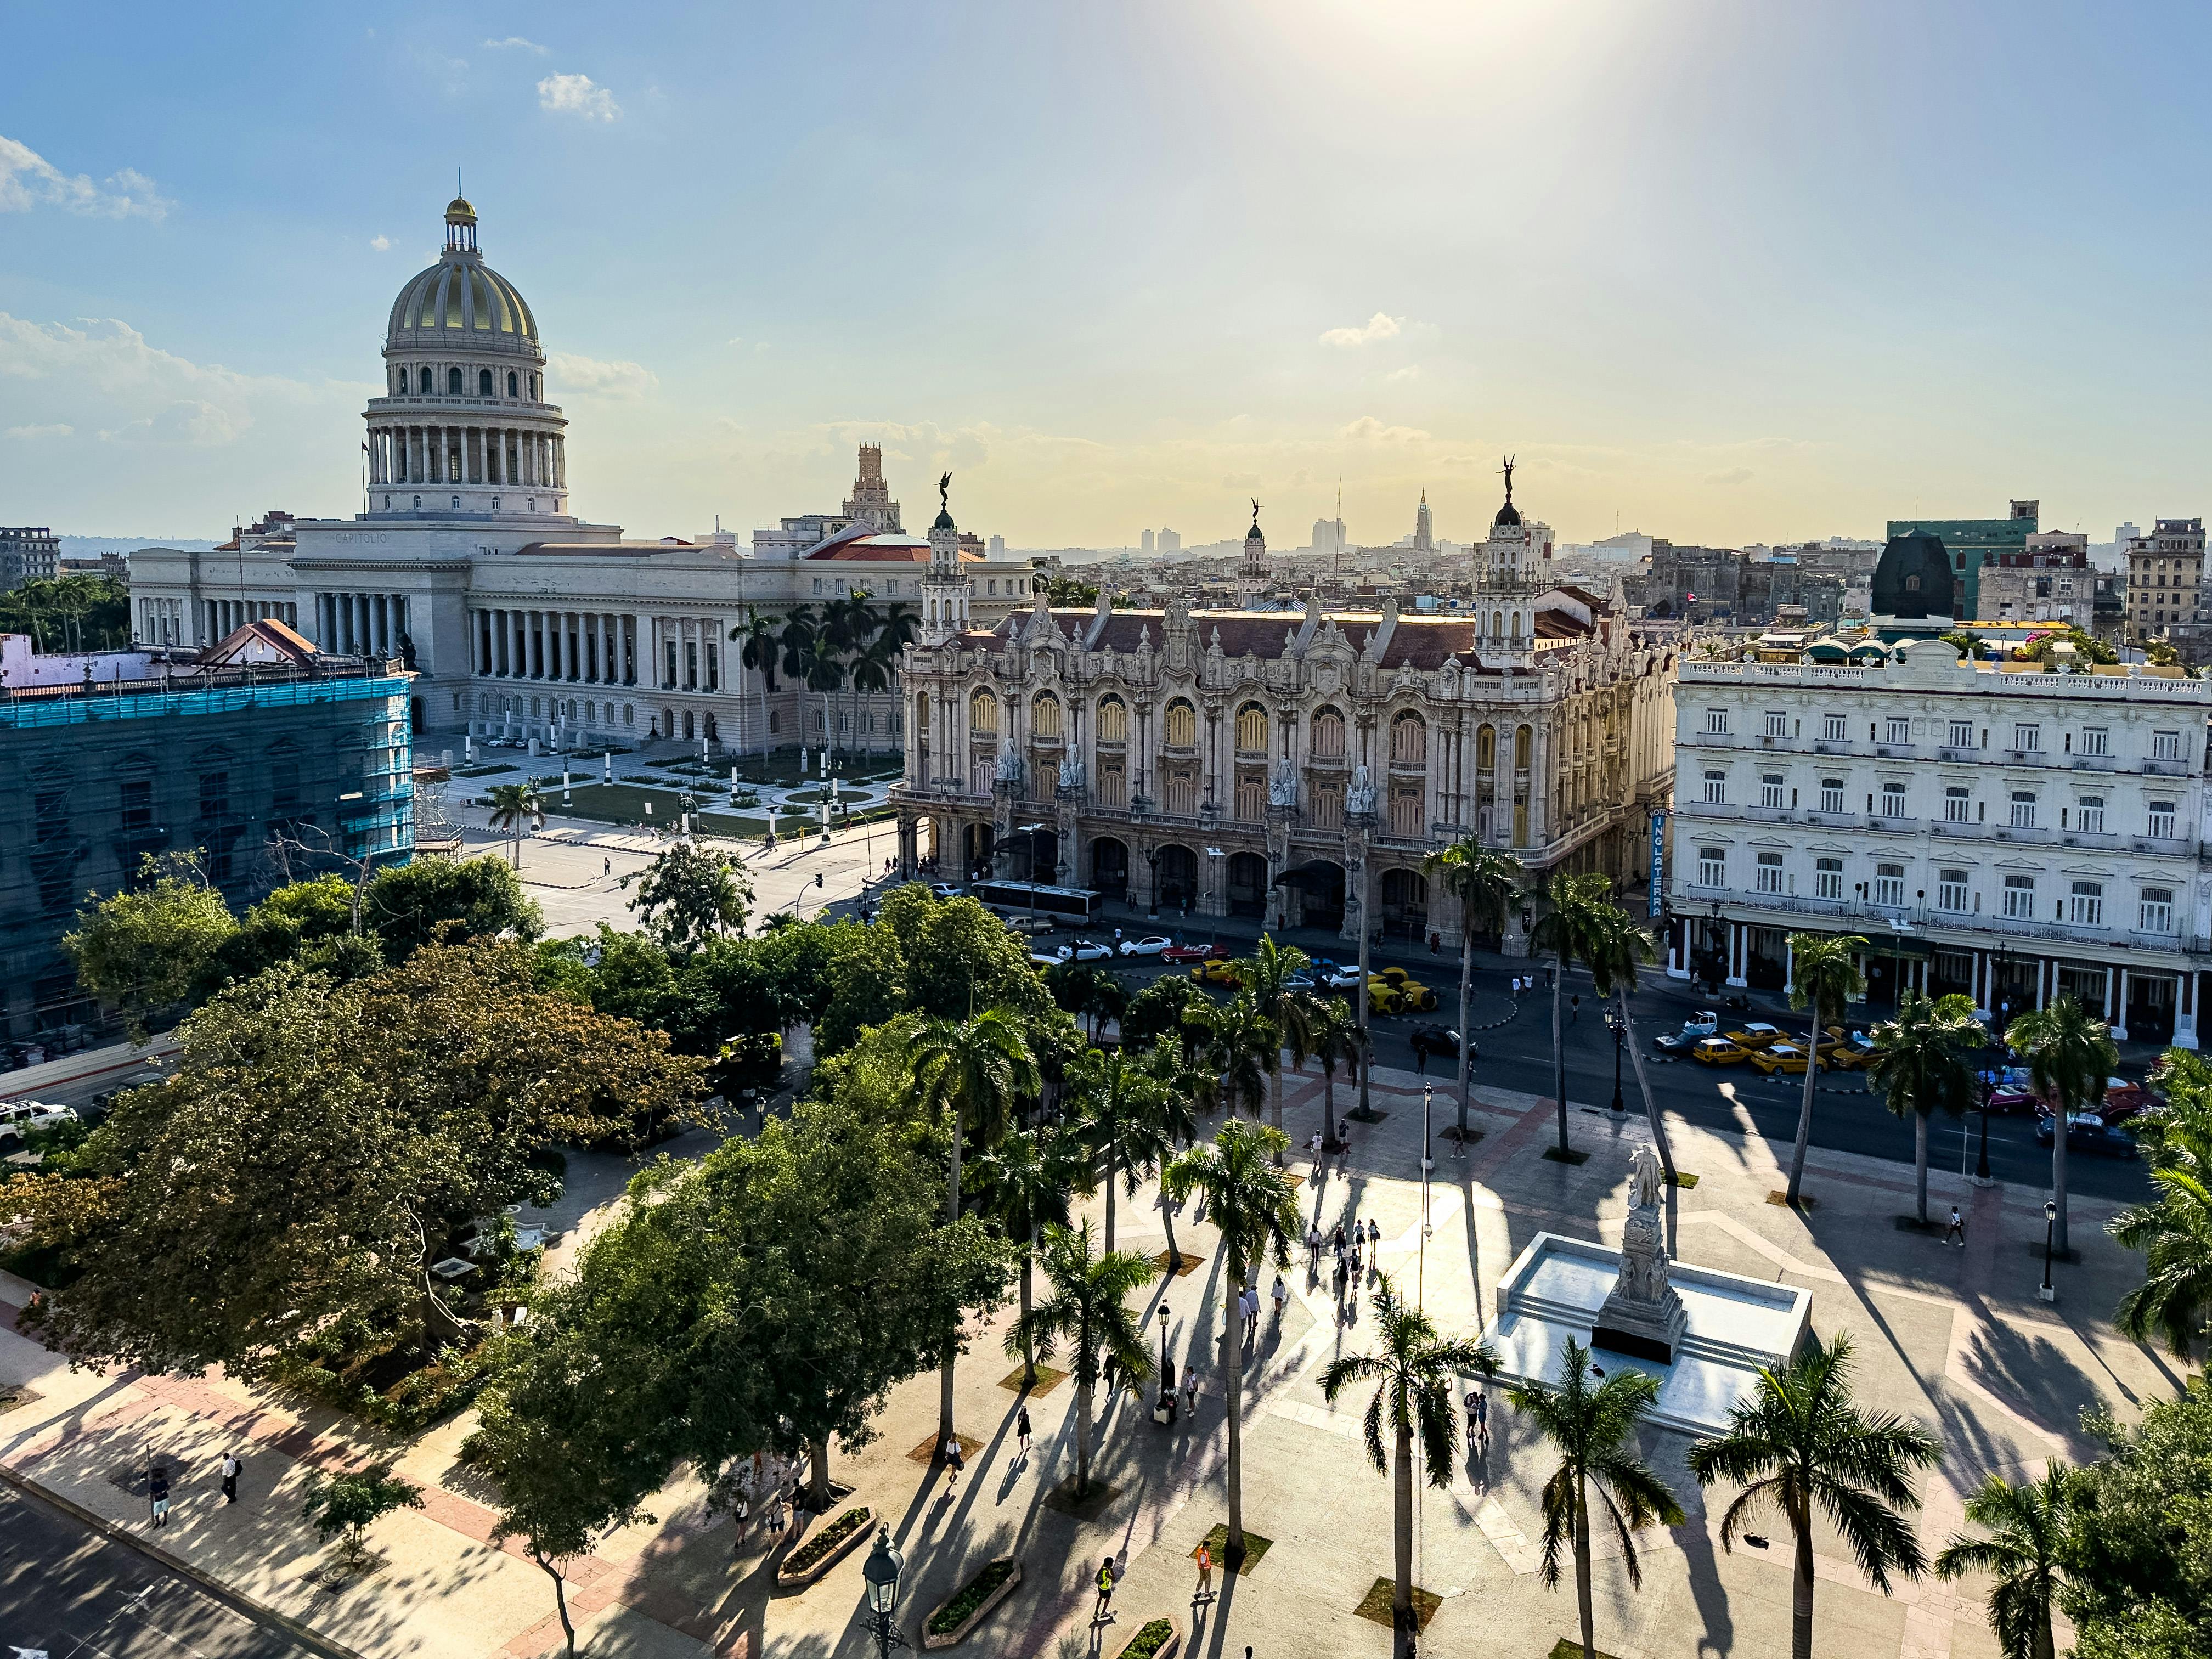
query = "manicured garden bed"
{"x": 1159, "y": 1639}
{"x": 953, "y": 1621}
{"x": 831, "y": 1544}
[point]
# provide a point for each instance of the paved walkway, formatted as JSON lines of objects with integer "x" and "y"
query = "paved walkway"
{"x": 1955, "y": 1338}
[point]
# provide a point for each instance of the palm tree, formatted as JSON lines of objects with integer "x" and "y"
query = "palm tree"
{"x": 1415, "y": 1366}
{"x": 1239, "y": 1039}
{"x": 513, "y": 806}
{"x": 1025, "y": 1181}
{"x": 1800, "y": 1443}
{"x": 2174, "y": 1230}
{"x": 1824, "y": 975}
{"x": 798, "y": 642}
{"x": 1089, "y": 1309}
{"x": 971, "y": 1071}
{"x": 1590, "y": 1429}
{"x": 1571, "y": 930}
{"x": 1112, "y": 1093}
{"x": 1168, "y": 1123}
{"x": 2070, "y": 1056}
{"x": 759, "y": 648}
{"x": 890, "y": 631}
{"x": 1266, "y": 977}
{"x": 2027, "y": 1524}
{"x": 1483, "y": 881}
{"x": 1922, "y": 1064}
{"x": 1251, "y": 1205}
{"x": 1335, "y": 1036}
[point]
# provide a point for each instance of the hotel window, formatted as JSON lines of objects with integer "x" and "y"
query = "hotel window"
{"x": 2092, "y": 819}
{"x": 1716, "y": 789}
{"x": 1956, "y": 805}
{"x": 2156, "y": 914}
{"x": 1889, "y": 884}
{"x": 1831, "y": 794}
{"x": 990, "y": 588}
{"x": 1769, "y": 872}
{"x": 1951, "y": 890}
{"x": 1712, "y": 866}
{"x": 1406, "y": 813}
{"x": 1831, "y": 728}
{"x": 2028, "y": 737}
{"x": 2096, "y": 740}
{"x": 2023, "y": 809}
{"x": 2020, "y": 897}
{"x": 1892, "y": 799}
{"x": 1327, "y": 805}
{"x": 1828, "y": 878}
{"x": 1769, "y": 790}
{"x": 1778, "y": 723}
{"x": 1961, "y": 735}
{"x": 2160, "y": 822}
{"x": 1113, "y": 786}
{"x": 1896, "y": 731}
{"x": 2166, "y": 745}
{"x": 2088, "y": 909}
{"x": 1716, "y": 722}
{"x": 1182, "y": 793}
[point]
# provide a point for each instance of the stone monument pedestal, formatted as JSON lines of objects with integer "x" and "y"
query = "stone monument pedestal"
{"x": 1642, "y": 1315}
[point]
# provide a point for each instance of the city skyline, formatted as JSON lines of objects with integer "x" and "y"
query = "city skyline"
{"x": 1616, "y": 246}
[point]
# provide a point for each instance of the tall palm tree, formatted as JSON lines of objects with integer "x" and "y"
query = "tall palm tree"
{"x": 2174, "y": 1230}
{"x": 1266, "y": 977}
{"x": 891, "y": 631}
{"x": 2070, "y": 1054}
{"x": 1571, "y": 929}
{"x": 1922, "y": 1064}
{"x": 971, "y": 1071}
{"x": 1483, "y": 881}
{"x": 1024, "y": 1182}
{"x": 1415, "y": 1366}
{"x": 1168, "y": 1123}
{"x": 759, "y": 649}
{"x": 2027, "y": 1524}
{"x": 1824, "y": 975}
{"x": 1252, "y": 1205}
{"x": 798, "y": 642}
{"x": 1334, "y": 1038}
{"x": 1088, "y": 1310}
{"x": 1239, "y": 1039}
{"x": 1591, "y": 1428}
{"x": 1112, "y": 1094}
{"x": 515, "y": 806}
{"x": 1801, "y": 1444}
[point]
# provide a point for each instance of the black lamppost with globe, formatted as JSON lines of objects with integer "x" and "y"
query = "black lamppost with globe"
{"x": 881, "y": 1570}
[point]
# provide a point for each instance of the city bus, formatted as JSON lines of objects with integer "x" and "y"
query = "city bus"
{"x": 1066, "y": 904}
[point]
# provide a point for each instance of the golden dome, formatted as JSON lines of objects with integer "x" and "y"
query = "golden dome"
{"x": 459, "y": 212}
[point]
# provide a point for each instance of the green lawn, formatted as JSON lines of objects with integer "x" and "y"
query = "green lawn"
{"x": 624, "y": 803}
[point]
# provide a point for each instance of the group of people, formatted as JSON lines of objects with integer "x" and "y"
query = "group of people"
{"x": 157, "y": 1486}
{"x": 764, "y": 1484}
{"x": 1361, "y": 1251}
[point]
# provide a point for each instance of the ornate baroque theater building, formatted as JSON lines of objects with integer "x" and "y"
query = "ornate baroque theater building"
{"x": 1246, "y": 761}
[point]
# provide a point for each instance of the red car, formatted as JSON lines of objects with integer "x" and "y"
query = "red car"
{"x": 2124, "y": 1099}
{"x": 1195, "y": 953}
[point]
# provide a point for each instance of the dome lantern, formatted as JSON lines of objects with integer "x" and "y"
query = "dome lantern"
{"x": 460, "y": 226}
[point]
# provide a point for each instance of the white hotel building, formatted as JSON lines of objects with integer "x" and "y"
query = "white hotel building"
{"x": 2016, "y": 835}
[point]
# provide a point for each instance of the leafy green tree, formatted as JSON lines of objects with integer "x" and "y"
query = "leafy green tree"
{"x": 346, "y": 1506}
{"x": 1337, "y": 1040}
{"x": 292, "y": 918}
{"x": 2026, "y": 1526}
{"x": 1239, "y": 1041}
{"x": 448, "y": 902}
{"x": 1415, "y": 1366}
{"x": 1166, "y": 1122}
{"x": 1071, "y": 591}
{"x": 2070, "y": 1054}
{"x": 1266, "y": 977}
{"x": 2137, "y": 1561}
{"x": 867, "y": 973}
{"x": 2174, "y": 1230}
{"x": 1252, "y": 1207}
{"x": 1024, "y": 1182}
{"x": 1582, "y": 924}
{"x": 1824, "y": 976}
{"x": 1592, "y": 1429}
{"x": 969, "y": 1074}
{"x": 1157, "y": 1010}
{"x": 1112, "y": 1095}
{"x": 1923, "y": 1063}
{"x": 690, "y": 893}
{"x": 761, "y": 651}
{"x": 1089, "y": 1310}
{"x": 514, "y": 808}
{"x": 147, "y": 948}
{"x": 79, "y": 612}
{"x": 1483, "y": 881}
{"x": 1802, "y": 1443}
{"x": 960, "y": 958}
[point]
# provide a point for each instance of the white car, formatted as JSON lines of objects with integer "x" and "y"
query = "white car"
{"x": 1051, "y": 956}
{"x": 1336, "y": 976}
{"x": 944, "y": 889}
{"x": 18, "y": 1117}
{"x": 1151, "y": 946}
{"x": 1092, "y": 950}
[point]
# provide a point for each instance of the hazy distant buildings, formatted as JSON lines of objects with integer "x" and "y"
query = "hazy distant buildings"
{"x": 1170, "y": 541}
{"x": 1146, "y": 542}
{"x": 1424, "y": 529}
{"x": 27, "y": 555}
{"x": 1328, "y": 537}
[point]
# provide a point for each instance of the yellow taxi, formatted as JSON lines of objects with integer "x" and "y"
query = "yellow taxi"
{"x": 1718, "y": 1051}
{"x": 1845, "y": 1051}
{"x": 1215, "y": 973}
{"x": 1757, "y": 1034}
{"x": 1779, "y": 1057}
{"x": 1414, "y": 997}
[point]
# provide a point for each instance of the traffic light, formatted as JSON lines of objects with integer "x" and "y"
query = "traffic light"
{"x": 818, "y": 878}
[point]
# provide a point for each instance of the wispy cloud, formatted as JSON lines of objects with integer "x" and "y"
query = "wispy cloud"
{"x": 1411, "y": 371}
{"x": 380, "y": 243}
{"x": 1369, "y": 431}
{"x": 1733, "y": 475}
{"x": 101, "y": 375}
{"x": 516, "y": 43}
{"x": 28, "y": 179}
{"x": 595, "y": 377}
{"x": 1380, "y": 326}
{"x": 450, "y": 73}
{"x": 58, "y": 429}
{"x": 576, "y": 95}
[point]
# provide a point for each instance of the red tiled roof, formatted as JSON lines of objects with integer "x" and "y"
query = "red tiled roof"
{"x": 885, "y": 550}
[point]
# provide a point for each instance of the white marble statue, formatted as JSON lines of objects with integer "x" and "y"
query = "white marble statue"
{"x": 1360, "y": 798}
{"x": 1283, "y": 788}
{"x": 1009, "y": 764}
{"x": 1647, "y": 1180}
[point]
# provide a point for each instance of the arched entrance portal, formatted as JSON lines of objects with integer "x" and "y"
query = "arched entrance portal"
{"x": 1109, "y": 868}
{"x": 1178, "y": 875}
{"x": 415, "y": 713}
{"x": 1248, "y": 885}
{"x": 1405, "y": 903}
{"x": 1032, "y": 856}
{"x": 1314, "y": 893}
{"x": 976, "y": 849}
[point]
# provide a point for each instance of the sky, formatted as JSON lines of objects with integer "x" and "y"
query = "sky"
{"x": 1722, "y": 272}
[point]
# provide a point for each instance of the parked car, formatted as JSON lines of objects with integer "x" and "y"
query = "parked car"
{"x": 1336, "y": 975}
{"x": 1718, "y": 1051}
{"x": 1429, "y": 1039}
{"x": 1779, "y": 1057}
{"x": 1703, "y": 1023}
{"x": 1217, "y": 971}
{"x": 944, "y": 889}
{"x": 1756, "y": 1034}
{"x": 1022, "y": 923}
{"x": 1092, "y": 950}
{"x": 18, "y": 1117}
{"x": 1152, "y": 945}
{"x": 2086, "y": 1132}
{"x": 1846, "y": 1051}
{"x": 2008, "y": 1102}
{"x": 1414, "y": 997}
{"x": 1673, "y": 1043}
{"x": 1194, "y": 953}
{"x": 1051, "y": 956}
{"x": 2125, "y": 1100}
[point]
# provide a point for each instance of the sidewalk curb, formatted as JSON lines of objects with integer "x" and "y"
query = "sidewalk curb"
{"x": 235, "y": 1601}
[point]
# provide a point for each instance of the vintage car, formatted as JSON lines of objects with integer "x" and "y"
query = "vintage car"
{"x": 1779, "y": 1057}
{"x": 1718, "y": 1051}
{"x": 1756, "y": 1034}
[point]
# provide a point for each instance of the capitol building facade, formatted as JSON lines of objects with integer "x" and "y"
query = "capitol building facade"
{"x": 521, "y": 619}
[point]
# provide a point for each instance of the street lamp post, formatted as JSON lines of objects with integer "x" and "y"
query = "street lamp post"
{"x": 881, "y": 1570}
{"x": 1216, "y": 853}
{"x": 1620, "y": 1041}
{"x": 1161, "y": 1406}
{"x": 2049, "y": 1222}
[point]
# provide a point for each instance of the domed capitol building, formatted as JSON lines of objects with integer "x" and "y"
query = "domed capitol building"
{"x": 521, "y": 618}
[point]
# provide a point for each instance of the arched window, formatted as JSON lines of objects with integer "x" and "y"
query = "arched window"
{"x": 1327, "y": 734}
{"x": 983, "y": 714}
{"x": 1409, "y": 740}
{"x": 1181, "y": 725}
{"x": 453, "y": 382}
{"x": 533, "y": 388}
{"x": 510, "y": 384}
{"x": 1524, "y": 740}
{"x": 1113, "y": 720}
{"x": 1044, "y": 716}
{"x": 1497, "y": 624}
{"x": 1515, "y": 632}
{"x": 1486, "y": 747}
{"x": 1251, "y": 730}
{"x": 427, "y": 382}
{"x": 484, "y": 383}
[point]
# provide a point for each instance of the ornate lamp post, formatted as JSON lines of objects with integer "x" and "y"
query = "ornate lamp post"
{"x": 1165, "y": 1404}
{"x": 2049, "y": 1222}
{"x": 1359, "y": 827}
{"x": 882, "y": 1570}
{"x": 1620, "y": 1042}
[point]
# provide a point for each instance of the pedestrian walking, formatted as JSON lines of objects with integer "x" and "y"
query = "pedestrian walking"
{"x": 1357, "y": 1240}
{"x": 743, "y": 1514}
{"x": 1957, "y": 1230}
{"x": 157, "y": 1493}
{"x": 1117, "y": 939}
{"x": 1281, "y": 1294}
{"x": 1374, "y": 1237}
{"x": 1190, "y": 1390}
{"x": 1204, "y": 1590}
{"x": 1313, "y": 1244}
{"x": 1251, "y": 1312}
{"x": 775, "y": 1514}
{"x": 1102, "y": 1614}
{"x": 1420, "y": 1061}
{"x": 1313, "y": 1146}
{"x": 953, "y": 1460}
{"x": 1343, "y": 1145}
{"x": 1574, "y": 1008}
{"x": 1022, "y": 1432}
{"x": 230, "y": 1477}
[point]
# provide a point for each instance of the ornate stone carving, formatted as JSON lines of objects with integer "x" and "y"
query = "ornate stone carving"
{"x": 1283, "y": 788}
{"x": 1009, "y": 764}
{"x": 1359, "y": 799}
{"x": 1643, "y": 1316}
